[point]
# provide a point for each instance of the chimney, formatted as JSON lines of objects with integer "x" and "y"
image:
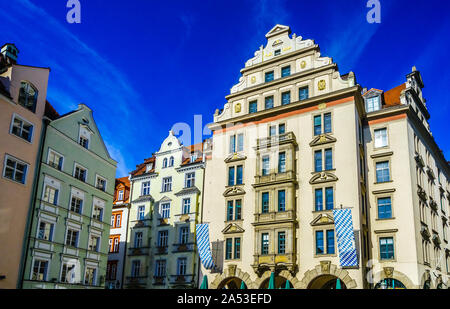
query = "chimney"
{"x": 10, "y": 53}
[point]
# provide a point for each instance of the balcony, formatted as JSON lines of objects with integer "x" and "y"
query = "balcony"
{"x": 421, "y": 193}
{"x": 136, "y": 282}
{"x": 183, "y": 247}
{"x": 273, "y": 177}
{"x": 276, "y": 140}
{"x": 161, "y": 250}
{"x": 138, "y": 251}
{"x": 262, "y": 262}
{"x": 159, "y": 280}
{"x": 419, "y": 160}
{"x": 181, "y": 280}
{"x": 274, "y": 217}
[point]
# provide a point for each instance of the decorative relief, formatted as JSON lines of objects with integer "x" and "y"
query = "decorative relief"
{"x": 388, "y": 271}
{"x": 321, "y": 85}
{"x": 253, "y": 80}
{"x": 322, "y": 139}
{"x": 233, "y": 191}
{"x": 237, "y": 108}
{"x": 325, "y": 266}
{"x": 235, "y": 157}
{"x": 322, "y": 177}
{"x": 322, "y": 219}
{"x": 303, "y": 64}
{"x": 233, "y": 228}
{"x": 322, "y": 106}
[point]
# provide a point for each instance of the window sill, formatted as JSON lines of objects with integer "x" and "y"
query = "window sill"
{"x": 384, "y": 219}
{"x": 21, "y": 138}
{"x": 377, "y": 183}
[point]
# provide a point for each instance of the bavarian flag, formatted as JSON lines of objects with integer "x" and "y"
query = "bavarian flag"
{"x": 204, "y": 250}
{"x": 345, "y": 238}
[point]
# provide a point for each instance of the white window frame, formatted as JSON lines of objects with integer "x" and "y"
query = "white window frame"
{"x": 24, "y": 121}
{"x": 75, "y": 165}
{"x": 163, "y": 210}
{"x": 51, "y": 233}
{"x": 192, "y": 179}
{"x": 99, "y": 242}
{"x": 7, "y": 156}
{"x": 139, "y": 212}
{"x": 56, "y": 194}
{"x": 382, "y": 143}
{"x": 50, "y": 150}
{"x": 168, "y": 183}
{"x": 78, "y": 237}
{"x": 143, "y": 187}
{"x": 94, "y": 281}
{"x": 120, "y": 195}
{"x": 46, "y": 271}
{"x": 97, "y": 177}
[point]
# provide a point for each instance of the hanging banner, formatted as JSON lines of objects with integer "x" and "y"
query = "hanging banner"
{"x": 345, "y": 238}
{"x": 204, "y": 250}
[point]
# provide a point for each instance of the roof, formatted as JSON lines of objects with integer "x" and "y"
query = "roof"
{"x": 126, "y": 196}
{"x": 124, "y": 180}
{"x": 50, "y": 111}
{"x": 392, "y": 97}
{"x": 141, "y": 169}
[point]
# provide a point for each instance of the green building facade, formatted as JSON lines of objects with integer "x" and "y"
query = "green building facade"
{"x": 68, "y": 236}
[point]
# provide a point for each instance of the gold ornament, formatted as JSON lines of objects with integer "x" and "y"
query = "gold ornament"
{"x": 253, "y": 79}
{"x": 237, "y": 108}
{"x": 303, "y": 64}
{"x": 321, "y": 84}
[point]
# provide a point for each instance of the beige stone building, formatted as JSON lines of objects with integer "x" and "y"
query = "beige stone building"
{"x": 295, "y": 140}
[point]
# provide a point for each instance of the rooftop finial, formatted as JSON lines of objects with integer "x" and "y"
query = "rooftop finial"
{"x": 414, "y": 68}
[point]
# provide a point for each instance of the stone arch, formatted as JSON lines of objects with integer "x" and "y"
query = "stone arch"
{"x": 426, "y": 276}
{"x": 284, "y": 273}
{"x": 232, "y": 272}
{"x": 326, "y": 268}
{"x": 394, "y": 274}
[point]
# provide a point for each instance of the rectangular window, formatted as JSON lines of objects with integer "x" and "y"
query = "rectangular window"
{"x": 282, "y": 200}
{"x": 382, "y": 171}
{"x": 51, "y": 195}
{"x": 327, "y": 123}
{"x": 303, "y": 93}
{"x": 318, "y": 199}
{"x": 319, "y": 243}
{"x": 98, "y": 213}
{"x": 160, "y": 268}
{"x": 330, "y": 242}
{"x": 282, "y": 162}
{"x": 167, "y": 184}
{"x": 45, "y": 231}
{"x": 272, "y": 130}
{"x": 15, "y": 170}
{"x": 265, "y": 165}
{"x": 118, "y": 221}
{"x": 39, "y": 270}
{"x": 281, "y": 128}
{"x": 184, "y": 235}
{"x": 286, "y": 71}
{"x": 265, "y": 203}
{"x": 138, "y": 239}
{"x": 285, "y": 98}
{"x": 387, "y": 248}
{"x": 230, "y": 209}
{"x": 22, "y": 128}
{"x": 55, "y": 160}
{"x": 252, "y": 107}
{"x": 231, "y": 176}
{"x": 268, "y": 102}
{"x": 237, "y": 248}
{"x": 84, "y": 142}
{"x": 186, "y": 206}
{"x": 328, "y": 159}
{"x": 318, "y": 161}
{"x": 94, "y": 242}
{"x": 163, "y": 237}
{"x": 380, "y": 137}
{"x": 329, "y": 200}
{"x": 145, "y": 190}
{"x": 239, "y": 175}
{"x": 76, "y": 205}
{"x": 317, "y": 125}
{"x": 265, "y": 243}
{"x": 238, "y": 210}
{"x": 165, "y": 210}
{"x": 190, "y": 180}
{"x": 72, "y": 238}
{"x": 240, "y": 142}
{"x": 232, "y": 143}
{"x": 135, "y": 268}
{"x": 268, "y": 76}
{"x": 384, "y": 208}
{"x": 181, "y": 266}
{"x": 101, "y": 183}
{"x": 372, "y": 104}
{"x": 281, "y": 242}
{"x": 141, "y": 213}
{"x": 229, "y": 248}
{"x": 120, "y": 196}
{"x": 80, "y": 173}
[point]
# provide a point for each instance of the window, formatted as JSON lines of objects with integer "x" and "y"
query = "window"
{"x": 268, "y": 76}
{"x": 94, "y": 243}
{"x": 165, "y": 210}
{"x": 318, "y": 129}
{"x": 28, "y": 96}
{"x": 76, "y": 205}
{"x": 381, "y": 138}
{"x": 167, "y": 184}
{"x": 165, "y": 163}
{"x": 265, "y": 202}
{"x": 286, "y": 71}
{"x": 84, "y": 142}
{"x": 240, "y": 144}
{"x": 184, "y": 235}
{"x": 51, "y": 195}
{"x": 111, "y": 270}
{"x": 237, "y": 248}
{"x": 234, "y": 210}
{"x": 120, "y": 195}
{"x": 239, "y": 175}
{"x": 318, "y": 199}
{"x": 252, "y": 107}
{"x": 386, "y": 248}
{"x": 281, "y": 242}
{"x": 190, "y": 180}
{"x": 265, "y": 165}
{"x": 230, "y": 209}
{"x": 138, "y": 237}
{"x": 98, "y": 213}
{"x": 68, "y": 273}
{"x": 90, "y": 276}
{"x": 39, "y": 270}
{"x": 272, "y": 130}
{"x": 171, "y": 161}
{"x": 382, "y": 171}
{"x": 181, "y": 266}
{"x": 373, "y": 104}
{"x": 303, "y": 93}
{"x": 22, "y": 128}
{"x": 235, "y": 178}
{"x": 265, "y": 243}
{"x": 327, "y": 123}
{"x": 114, "y": 241}
{"x": 384, "y": 208}
{"x": 281, "y": 128}
{"x": 282, "y": 162}
{"x": 328, "y": 159}
{"x": 80, "y": 173}
{"x": 285, "y": 98}
{"x": 330, "y": 242}
{"x": 282, "y": 200}
{"x": 232, "y": 143}
{"x": 145, "y": 189}
{"x": 45, "y": 231}
{"x": 277, "y": 52}
{"x": 141, "y": 213}
{"x": 160, "y": 268}
{"x": 329, "y": 198}
{"x": 318, "y": 161}
{"x": 268, "y": 102}
{"x": 72, "y": 238}
{"x": 135, "y": 268}
{"x": 163, "y": 237}
{"x": 186, "y": 206}
{"x": 228, "y": 248}
{"x": 55, "y": 160}
{"x": 100, "y": 183}
{"x": 15, "y": 170}
{"x": 320, "y": 242}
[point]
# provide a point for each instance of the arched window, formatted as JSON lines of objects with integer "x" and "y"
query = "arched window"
{"x": 171, "y": 161}
{"x": 28, "y": 95}
{"x": 165, "y": 162}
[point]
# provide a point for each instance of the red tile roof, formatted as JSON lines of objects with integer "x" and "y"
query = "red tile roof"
{"x": 392, "y": 97}
{"x": 50, "y": 111}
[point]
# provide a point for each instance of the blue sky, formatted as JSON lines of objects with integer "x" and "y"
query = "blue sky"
{"x": 143, "y": 66}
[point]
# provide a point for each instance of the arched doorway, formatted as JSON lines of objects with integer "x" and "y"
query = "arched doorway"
{"x": 231, "y": 283}
{"x": 390, "y": 283}
{"x": 325, "y": 282}
{"x": 280, "y": 283}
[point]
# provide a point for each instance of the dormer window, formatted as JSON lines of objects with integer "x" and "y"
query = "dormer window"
{"x": 120, "y": 196}
{"x": 84, "y": 142}
{"x": 28, "y": 95}
{"x": 373, "y": 104}
{"x": 164, "y": 163}
{"x": 268, "y": 76}
{"x": 149, "y": 167}
{"x": 171, "y": 161}
{"x": 277, "y": 52}
{"x": 84, "y": 136}
{"x": 193, "y": 157}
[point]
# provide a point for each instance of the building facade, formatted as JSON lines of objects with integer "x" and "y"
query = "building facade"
{"x": 67, "y": 245}
{"x": 166, "y": 195}
{"x": 23, "y": 92}
{"x": 118, "y": 234}
{"x": 295, "y": 142}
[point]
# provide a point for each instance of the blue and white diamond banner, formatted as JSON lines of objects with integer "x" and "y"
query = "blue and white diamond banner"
{"x": 345, "y": 238}
{"x": 204, "y": 250}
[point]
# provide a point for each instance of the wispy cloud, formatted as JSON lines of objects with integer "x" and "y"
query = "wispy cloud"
{"x": 79, "y": 74}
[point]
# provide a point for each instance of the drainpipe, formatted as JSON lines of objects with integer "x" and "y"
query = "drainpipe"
{"x": 126, "y": 234}
{"x": 27, "y": 237}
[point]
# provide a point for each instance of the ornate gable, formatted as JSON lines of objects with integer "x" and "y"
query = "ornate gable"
{"x": 233, "y": 228}
{"x": 322, "y": 219}
{"x": 323, "y": 177}
{"x": 233, "y": 191}
{"x": 322, "y": 139}
{"x": 277, "y": 30}
{"x": 235, "y": 157}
